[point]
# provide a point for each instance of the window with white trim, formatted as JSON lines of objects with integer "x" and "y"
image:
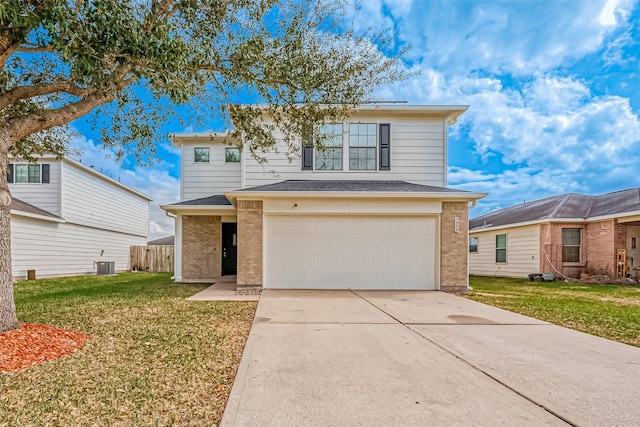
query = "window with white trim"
{"x": 201, "y": 155}
{"x": 571, "y": 242}
{"x": 473, "y": 244}
{"x": 27, "y": 174}
{"x": 363, "y": 144}
{"x": 232, "y": 155}
{"x": 501, "y": 248}
{"x": 329, "y": 157}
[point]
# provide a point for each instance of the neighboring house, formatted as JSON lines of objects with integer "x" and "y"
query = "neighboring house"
{"x": 66, "y": 216}
{"x": 566, "y": 235}
{"x": 371, "y": 211}
{"x": 163, "y": 241}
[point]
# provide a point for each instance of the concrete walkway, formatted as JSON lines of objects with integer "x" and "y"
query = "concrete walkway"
{"x": 342, "y": 358}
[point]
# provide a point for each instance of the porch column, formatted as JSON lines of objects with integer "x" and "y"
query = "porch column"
{"x": 454, "y": 247}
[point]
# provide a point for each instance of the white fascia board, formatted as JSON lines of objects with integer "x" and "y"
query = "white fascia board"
{"x": 177, "y": 138}
{"x": 525, "y": 223}
{"x": 199, "y": 209}
{"x": 448, "y": 196}
{"x": 620, "y": 216}
{"x": 36, "y": 216}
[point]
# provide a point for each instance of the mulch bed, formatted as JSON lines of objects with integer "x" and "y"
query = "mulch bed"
{"x": 36, "y": 343}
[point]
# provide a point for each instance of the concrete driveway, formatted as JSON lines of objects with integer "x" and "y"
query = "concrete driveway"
{"x": 343, "y": 358}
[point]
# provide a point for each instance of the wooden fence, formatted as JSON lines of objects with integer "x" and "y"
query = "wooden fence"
{"x": 155, "y": 259}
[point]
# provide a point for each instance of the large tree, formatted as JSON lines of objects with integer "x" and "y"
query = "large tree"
{"x": 131, "y": 65}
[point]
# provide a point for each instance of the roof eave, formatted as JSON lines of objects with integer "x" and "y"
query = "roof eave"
{"x": 449, "y": 196}
{"x": 37, "y": 216}
{"x": 227, "y": 209}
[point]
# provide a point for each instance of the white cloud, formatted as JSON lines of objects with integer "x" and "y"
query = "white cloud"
{"x": 501, "y": 37}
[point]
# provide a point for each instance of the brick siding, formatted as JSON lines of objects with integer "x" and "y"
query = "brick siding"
{"x": 600, "y": 241}
{"x": 201, "y": 247}
{"x": 454, "y": 267}
{"x": 249, "y": 243}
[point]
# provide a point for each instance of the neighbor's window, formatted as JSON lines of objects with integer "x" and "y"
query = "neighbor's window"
{"x": 362, "y": 146}
{"x": 571, "y": 244}
{"x": 473, "y": 244}
{"x": 201, "y": 155}
{"x": 329, "y": 158}
{"x": 501, "y": 248}
{"x": 27, "y": 174}
{"x": 232, "y": 155}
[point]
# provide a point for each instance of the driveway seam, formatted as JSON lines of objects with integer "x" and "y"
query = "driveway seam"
{"x": 477, "y": 368}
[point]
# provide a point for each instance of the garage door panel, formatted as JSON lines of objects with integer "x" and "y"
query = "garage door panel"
{"x": 357, "y": 252}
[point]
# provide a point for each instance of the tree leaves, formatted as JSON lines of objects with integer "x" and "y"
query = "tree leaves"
{"x": 293, "y": 54}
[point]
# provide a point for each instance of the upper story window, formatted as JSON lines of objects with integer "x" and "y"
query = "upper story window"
{"x": 28, "y": 173}
{"x": 571, "y": 238}
{"x": 330, "y": 157}
{"x": 363, "y": 143}
{"x": 369, "y": 148}
{"x": 232, "y": 155}
{"x": 473, "y": 244}
{"x": 501, "y": 248}
{"x": 201, "y": 155}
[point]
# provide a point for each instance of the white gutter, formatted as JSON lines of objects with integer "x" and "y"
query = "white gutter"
{"x": 452, "y": 196}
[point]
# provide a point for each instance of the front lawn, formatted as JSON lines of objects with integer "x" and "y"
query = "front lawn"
{"x": 153, "y": 357}
{"x": 608, "y": 311}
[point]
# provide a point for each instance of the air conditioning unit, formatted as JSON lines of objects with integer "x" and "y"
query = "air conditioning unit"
{"x": 105, "y": 268}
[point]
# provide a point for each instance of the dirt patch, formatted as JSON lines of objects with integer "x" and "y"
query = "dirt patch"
{"x": 35, "y": 343}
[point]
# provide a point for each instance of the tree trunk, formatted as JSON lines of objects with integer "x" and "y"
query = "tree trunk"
{"x": 8, "y": 318}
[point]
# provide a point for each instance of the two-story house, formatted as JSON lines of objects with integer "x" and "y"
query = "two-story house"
{"x": 66, "y": 216}
{"x": 370, "y": 211}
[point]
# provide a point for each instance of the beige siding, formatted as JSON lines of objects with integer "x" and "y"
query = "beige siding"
{"x": 94, "y": 201}
{"x": 523, "y": 252}
{"x": 44, "y": 196}
{"x": 63, "y": 249}
{"x": 205, "y": 179}
{"x": 418, "y": 155}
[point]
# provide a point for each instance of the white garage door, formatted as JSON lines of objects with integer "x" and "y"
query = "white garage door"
{"x": 350, "y": 252}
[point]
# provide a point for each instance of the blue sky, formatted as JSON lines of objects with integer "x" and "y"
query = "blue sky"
{"x": 553, "y": 88}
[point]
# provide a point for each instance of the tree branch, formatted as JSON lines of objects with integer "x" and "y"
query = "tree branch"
{"x": 18, "y": 128}
{"x": 23, "y": 92}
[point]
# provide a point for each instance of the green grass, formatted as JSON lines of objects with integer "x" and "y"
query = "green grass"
{"x": 153, "y": 358}
{"x": 608, "y": 311}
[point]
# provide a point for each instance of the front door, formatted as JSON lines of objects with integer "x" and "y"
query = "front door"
{"x": 229, "y": 248}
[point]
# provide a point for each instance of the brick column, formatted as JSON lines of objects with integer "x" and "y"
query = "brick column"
{"x": 454, "y": 247}
{"x": 249, "y": 243}
{"x": 201, "y": 247}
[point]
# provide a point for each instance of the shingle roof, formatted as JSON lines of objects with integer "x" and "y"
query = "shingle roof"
{"x": 216, "y": 200}
{"x": 570, "y": 205}
{"x": 344, "y": 185}
{"x": 163, "y": 241}
{"x": 21, "y": 206}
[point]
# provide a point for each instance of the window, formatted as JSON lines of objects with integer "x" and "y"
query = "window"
{"x": 232, "y": 155}
{"x": 473, "y": 244}
{"x": 27, "y": 174}
{"x": 571, "y": 244}
{"x": 201, "y": 155}
{"x": 501, "y": 248}
{"x": 329, "y": 158}
{"x": 362, "y": 146}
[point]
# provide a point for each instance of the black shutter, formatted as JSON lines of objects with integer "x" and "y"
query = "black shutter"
{"x": 10, "y": 174}
{"x": 45, "y": 173}
{"x": 385, "y": 146}
{"x": 307, "y": 150}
